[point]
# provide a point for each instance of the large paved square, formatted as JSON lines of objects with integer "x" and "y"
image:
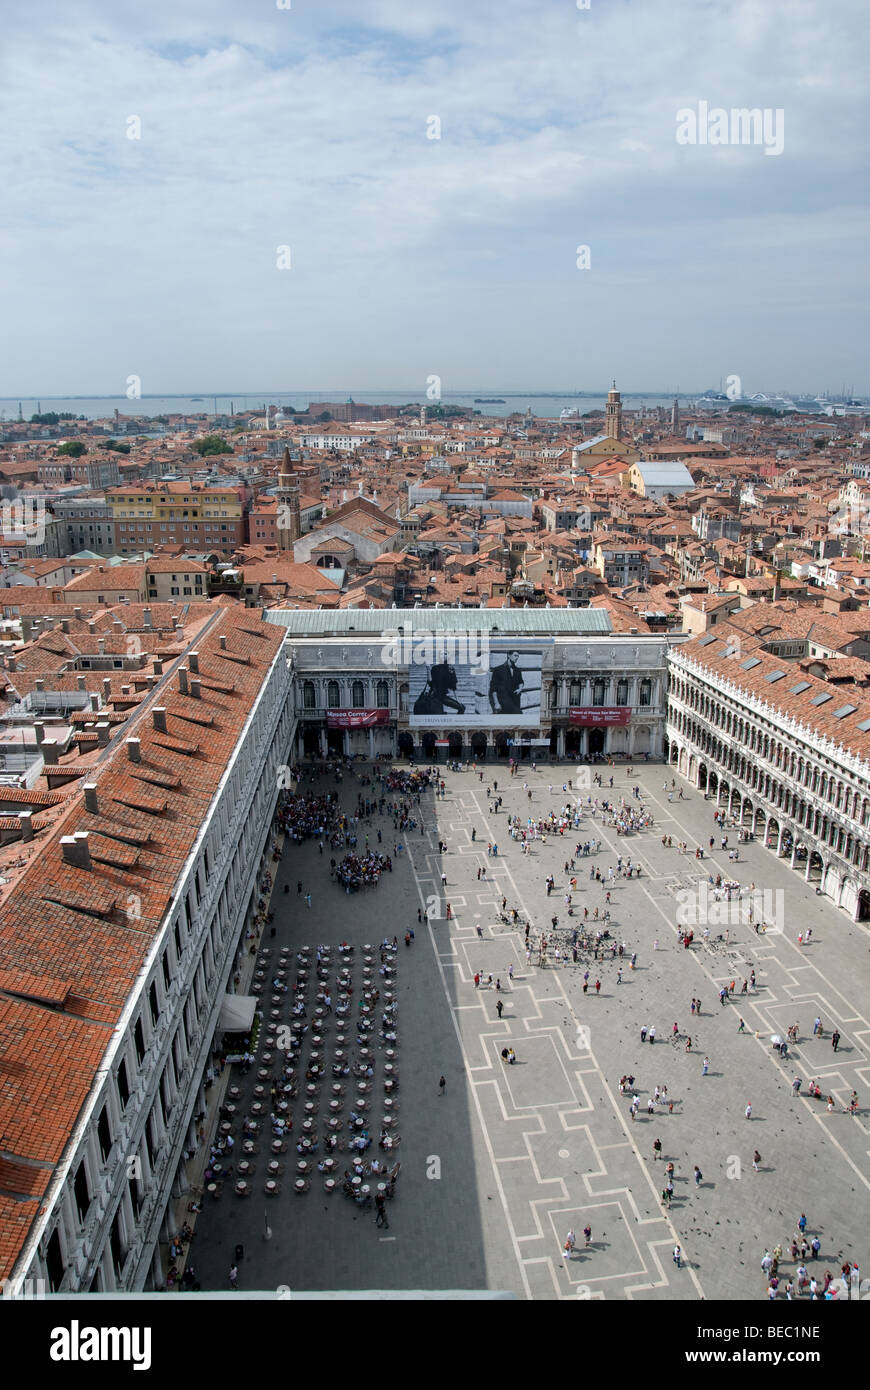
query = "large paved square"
{"x": 496, "y": 1171}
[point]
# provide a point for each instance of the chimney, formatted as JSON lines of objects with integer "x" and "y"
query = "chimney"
{"x": 77, "y": 613}
{"x": 25, "y": 820}
{"x": 95, "y": 702}
{"x": 103, "y": 730}
{"x": 39, "y": 731}
{"x": 158, "y": 715}
{"x": 179, "y": 630}
{"x": 194, "y": 690}
{"x": 107, "y": 688}
{"x": 75, "y": 849}
{"x": 101, "y": 646}
{"x": 193, "y": 662}
{"x": 81, "y": 683}
{"x": 125, "y": 690}
{"x": 91, "y": 804}
{"x": 158, "y": 667}
{"x": 49, "y": 750}
{"x": 40, "y": 685}
{"x": 10, "y": 663}
{"x": 64, "y": 624}
{"x": 182, "y": 679}
{"x": 92, "y": 627}
{"x": 223, "y": 645}
{"x": 134, "y": 750}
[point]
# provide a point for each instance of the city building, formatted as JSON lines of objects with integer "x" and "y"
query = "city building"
{"x": 118, "y": 946}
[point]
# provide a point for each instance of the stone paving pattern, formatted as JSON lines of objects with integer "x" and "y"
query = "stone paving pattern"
{"x": 527, "y": 1151}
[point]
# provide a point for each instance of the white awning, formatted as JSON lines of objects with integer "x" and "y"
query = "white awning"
{"x": 237, "y": 1013}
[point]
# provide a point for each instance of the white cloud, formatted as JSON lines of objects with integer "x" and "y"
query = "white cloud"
{"x": 262, "y": 127}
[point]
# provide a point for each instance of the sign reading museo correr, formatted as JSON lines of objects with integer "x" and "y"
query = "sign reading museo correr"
{"x": 604, "y": 715}
{"x": 356, "y": 718}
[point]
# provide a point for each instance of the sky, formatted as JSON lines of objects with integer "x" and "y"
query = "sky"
{"x": 233, "y": 195}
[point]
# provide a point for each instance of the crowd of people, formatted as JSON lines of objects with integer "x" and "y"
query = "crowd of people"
{"x": 356, "y": 871}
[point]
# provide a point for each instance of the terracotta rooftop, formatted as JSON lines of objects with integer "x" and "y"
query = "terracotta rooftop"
{"x": 61, "y": 920}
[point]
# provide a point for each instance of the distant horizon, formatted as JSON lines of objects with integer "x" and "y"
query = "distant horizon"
{"x": 357, "y": 392}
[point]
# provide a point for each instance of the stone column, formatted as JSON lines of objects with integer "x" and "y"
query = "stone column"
{"x": 324, "y": 747}
{"x": 372, "y": 744}
{"x": 560, "y": 743}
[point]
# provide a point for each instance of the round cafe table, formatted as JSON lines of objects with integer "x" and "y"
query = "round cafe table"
{"x": 241, "y": 1185}
{"x": 302, "y": 1166}
{"x": 389, "y": 1068}
{"x": 308, "y": 1126}
{"x": 390, "y": 1052}
{"x": 259, "y": 1090}
{"x": 267, "y": 1056}
{"x": 310, "y": 1107}
{"x": 365, "y": 1189}
{"x": 336, "y": 1088}
{"x": 277, "y": 1146}
{"x": 245, "y": 1167}
{"x": 335, "y": 1106}
{"x": 213, "y": 1189}
{"x": 333, "y": 1123}
{"x": 329, "y": 1164}
{"x": 311, "y": 1089}
{"x": 248, "y": 1146}
{"x": 263, "y": 1073}
{"x": 271, "y": 1185}
{"x": 329, "y": 1184}
{"x": 283, "y": 1106}
{"x": 356, "y": 1182}
{"x": 388, "y": 1086}
{"x": 315, "y": 1055}
{"x": 382, "y": 1187}
{"x": 257, "y": 1107}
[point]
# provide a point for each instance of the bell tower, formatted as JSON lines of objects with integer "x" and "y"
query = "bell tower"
{"x": 289, "y": 527}
{"x": 613, "y": 414}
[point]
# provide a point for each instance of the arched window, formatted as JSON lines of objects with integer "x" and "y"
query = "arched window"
{"x": 574, "y": 692}
{"x": 645, "y": 692}
{"x": 622, "y": 692}
{"x": 332, "y": 695}
{"x": 358, "y": 696}
{"x": 308, "y": 694}
{"x": 598, "y": 687}
{"x": 383, "y": 695}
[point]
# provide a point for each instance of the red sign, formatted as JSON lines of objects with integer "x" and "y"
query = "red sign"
{"x": 356, "y": 718}
{"x": 604, "y": 715}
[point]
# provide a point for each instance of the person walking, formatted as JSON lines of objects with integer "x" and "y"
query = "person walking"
{"x": 678, "y": 1256}
{"x": 570, "y": 1242}
{"x": 698, "y": 1176}
{"x": 652, "y": 1034}
{"x": 748, "y": 1112}
{"x": 835, "y": 1040}
{"x": 442, "y": 1085}
{"x": 706, "y": 1066}
{"x": 756, "y": 1159}
{"x": 657, "y": 1148}
{"x": 381, "y": 1204}
{"x": 643, "y": 1033}
{"x": 499, "y": 1008}
{"x": 477, "y": 980}
{"x": 234, "y": 1276}
{"x": 307, "y": 899}
{"x": 587, "y": 1235}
